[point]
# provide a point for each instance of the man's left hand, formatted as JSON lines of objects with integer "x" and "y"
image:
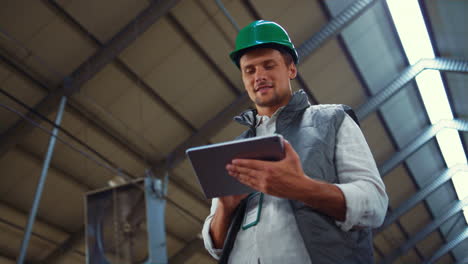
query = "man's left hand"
{"x": 279, "y": 178}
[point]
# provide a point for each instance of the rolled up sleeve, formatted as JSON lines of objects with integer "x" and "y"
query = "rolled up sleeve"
{"x": 359, "y": 179}
{"x": 216, "y": 253}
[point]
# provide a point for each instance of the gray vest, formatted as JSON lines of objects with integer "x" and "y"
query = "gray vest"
{"x": 312, "y": 132}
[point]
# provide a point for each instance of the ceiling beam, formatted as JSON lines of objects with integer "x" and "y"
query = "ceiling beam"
{"x": 71, "y": 242}
{"x": 77, "y": 236}
{"x": 448, "y": 247}
{"x": 407, "y": 75}
{"x": 208, "y": 130}
{"x": 455, "y": 208}
{"x": 34, "y": 234}
{"x": 421, "y": 195}
{"x": 334, "y": 26}
{"x": 101, "y": 126}
{"x": 141, "y": 83}
{"x": 428, "y": 133}
{"x": 88, "y": 70}
{"x": 202, "y": 53}
{"x": 5, "y": 256}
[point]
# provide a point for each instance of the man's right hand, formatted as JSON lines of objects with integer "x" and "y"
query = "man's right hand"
{"x": 222, "y": 218}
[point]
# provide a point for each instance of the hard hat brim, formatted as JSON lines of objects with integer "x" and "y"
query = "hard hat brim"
{"x": 237, "y": 54}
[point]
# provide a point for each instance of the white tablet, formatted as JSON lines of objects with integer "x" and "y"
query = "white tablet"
{"x": 209, "y": 162}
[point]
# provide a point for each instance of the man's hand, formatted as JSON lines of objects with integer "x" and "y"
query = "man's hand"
{"x": 222, "y": 218}
{"x": 279, "y": 178}
{"x": 286, "y": 179}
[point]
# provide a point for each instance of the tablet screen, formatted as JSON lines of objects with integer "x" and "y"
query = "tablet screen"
{"x": 209, "y": 162}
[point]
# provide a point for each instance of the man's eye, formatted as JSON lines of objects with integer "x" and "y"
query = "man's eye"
{"x": 269, "y": 66}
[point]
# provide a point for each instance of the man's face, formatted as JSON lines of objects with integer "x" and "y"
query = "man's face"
{"x": 266, "y": 77}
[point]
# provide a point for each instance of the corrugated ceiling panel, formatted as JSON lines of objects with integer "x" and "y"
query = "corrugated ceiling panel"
{"x": 161, "y": 129}
{"x": 107, "y": 85}
{"x": 18, "y": 218}
{"x": 457, "y": 84}
{"x": 5, "y": 72}
{"x": 204, "y": 100}
{"x": 377, "y": 138}
{"x": 218, "y": 37}
{"x": 446, "y": 259}
{"x": 71, "y": 258}
{"x": 173, "y": 245}
{"x": 44, "y": 39}
{"x": 4, "y": 260}
{"x": 389, "y": 239}
{"x": 425, "y": 164}
{"x": 20, "y": 190}
{"x": 199, "y": 210}
{"x": 104, "y": 19}
{"x": 320, "y": 71}
{"x": 399, "y": 186}
{"x": 59, "y": 40}
{"x": 229, "y": 132}
{"x": 181, "y": 224}
{"x": 128, "y": 109}
{"x": 372, "y": 44}
{"x": 410, "y": 257}
{"x": 21, "y": 89}
{"x": 448, "y": 21}
{"x": 213, "y": 40}
{"x": 460, "y": 251}
{"x": 441, "y": 198}
{"x": 149, "y": 50}
{"x": 200, "y": 258}
{"x": 12, "y": 16}
{"x": 11, "y": 242}
{"x": 169, "y": 83}
{"x": 301, "y": 18}
{"x": 430, "y": 244}
{"x": 405, "y": 116}
{"x": 184, "y": 173}
{"x": 415, "y": 219}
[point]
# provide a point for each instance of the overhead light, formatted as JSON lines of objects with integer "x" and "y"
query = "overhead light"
{"x": 409, "y": 23}
{"x": 116, "y": 181}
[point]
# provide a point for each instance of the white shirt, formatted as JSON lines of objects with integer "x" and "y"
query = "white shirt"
{"x": 276, "y": 239}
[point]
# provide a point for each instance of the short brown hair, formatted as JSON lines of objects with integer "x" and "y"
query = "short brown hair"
{"x": 285, "y": 52}
{"x": 288, "y": 59}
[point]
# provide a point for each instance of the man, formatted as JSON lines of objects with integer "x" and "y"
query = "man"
{"x": 317, "y": 205}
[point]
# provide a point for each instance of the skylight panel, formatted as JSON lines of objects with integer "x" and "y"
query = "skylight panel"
{"x": 409, "y": 22}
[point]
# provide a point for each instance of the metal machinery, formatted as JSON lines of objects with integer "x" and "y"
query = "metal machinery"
{"x": 125, "y": 224}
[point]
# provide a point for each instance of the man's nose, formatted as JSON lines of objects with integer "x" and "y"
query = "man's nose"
{"x": 260, "y": 75}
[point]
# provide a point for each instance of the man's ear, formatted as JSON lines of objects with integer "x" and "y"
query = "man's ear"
{"x": 292, "y": 71}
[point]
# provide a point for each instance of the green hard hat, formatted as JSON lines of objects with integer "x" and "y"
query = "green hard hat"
{"x": 262, "y": 33}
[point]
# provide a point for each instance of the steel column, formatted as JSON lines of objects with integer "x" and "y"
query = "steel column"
{"x": 421, "y": 195}
{"x": 447, "y": 247}
{"x": 456, "y": 207}
{"x": 40, "y": 184}
{"x": 155, "y": 194}
{"x": 441, "y": 64}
